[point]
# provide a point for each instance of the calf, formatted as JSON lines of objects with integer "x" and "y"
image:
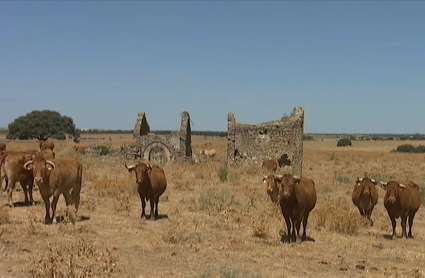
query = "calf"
{"x": 56, "y": 177}
{"x": 151, "y": 183}
{"x": 401, "y": 200}
{"x": 365, "y": 196}
{"x": 270, "y": 165}
{"x": 296, "y": 197}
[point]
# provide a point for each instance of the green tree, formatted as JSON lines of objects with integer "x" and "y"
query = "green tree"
{"x": 41, "y": 125}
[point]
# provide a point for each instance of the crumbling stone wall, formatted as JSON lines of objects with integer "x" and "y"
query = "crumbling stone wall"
{"x": 281, "y": 139}
{"x": 162, "y": 149}
{"x": 142, "y": 127}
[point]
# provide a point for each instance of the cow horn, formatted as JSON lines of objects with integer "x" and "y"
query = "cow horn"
{"x": 264, "y": 178}
{"x": 27, "y": 163}
{"x": 128, "y": 167}
{"x": 402, "y": 185}
{"x": 359, "y": 179}
{"x": 278, "y": 176}
{"x": 381, "y": 182}
{"x": 297, "y": 177}
{"x": 373, "y": 180}
{"x": 51, "y": 163}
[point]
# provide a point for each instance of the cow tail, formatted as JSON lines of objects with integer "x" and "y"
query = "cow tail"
{"x": 77, "y": 188}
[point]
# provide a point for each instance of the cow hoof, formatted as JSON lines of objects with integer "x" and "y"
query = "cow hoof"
{"x": 48, "y": 221}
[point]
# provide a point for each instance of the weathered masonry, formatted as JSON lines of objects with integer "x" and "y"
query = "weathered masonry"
{"x": 162, "y": 149}
{"x": 281, "y": 139}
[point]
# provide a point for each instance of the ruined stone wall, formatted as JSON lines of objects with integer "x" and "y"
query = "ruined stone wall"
{"x": 141, "y": 127}
{"x": 162, "y": 149}
{"x": 281, "y": 139}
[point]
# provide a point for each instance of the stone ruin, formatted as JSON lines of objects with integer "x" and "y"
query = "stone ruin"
{"x": 176, "y": 146}
{"x": 281, "y": 139}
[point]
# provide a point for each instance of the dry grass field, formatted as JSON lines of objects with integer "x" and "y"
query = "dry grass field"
{"x": 214, "y": 228}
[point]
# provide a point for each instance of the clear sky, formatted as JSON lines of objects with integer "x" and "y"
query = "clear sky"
{"x": 354, "y": 66}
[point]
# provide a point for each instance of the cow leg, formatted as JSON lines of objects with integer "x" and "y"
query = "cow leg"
{"x": 55, "y": 200}
{"x": 152, "y": 203}
{"x": 411, "y": 216}
{"x": 142, "y": 198}
{"x": 25, "y": 189}
{"x": 288, "y": 226}
{"x": 305, "y": 226}
{"x": 11, "y": 187}
{"x": 369, "y": 214}
{"x": 403, "y": 226}
{"x": 47, "y": 219}
{"x": 30, "y": 189}
{"x": 393, "y": 223}
{"x": 361, "y": 212}
{"x": 68, "y": 198}
{"x": 156, "y": 207}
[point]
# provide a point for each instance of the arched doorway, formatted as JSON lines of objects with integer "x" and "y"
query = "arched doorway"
{"x": 157, "y": 152}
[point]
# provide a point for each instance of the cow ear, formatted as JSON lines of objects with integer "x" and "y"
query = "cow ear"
{"x": 374, "y": 182}
{"x": 149, "y": 167}
{"x": 297, "y": 179}
{"x": 265, "y": 179}
{"x": 49, "y": 167}
{"x": 383, "y": 185}
{"x": 278, "y": 178}
{"x": 401, "y": 187}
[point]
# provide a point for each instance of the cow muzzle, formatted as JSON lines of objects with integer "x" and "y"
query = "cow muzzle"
{"x": 392, "y": 199}
{"x": 38, "y": 180}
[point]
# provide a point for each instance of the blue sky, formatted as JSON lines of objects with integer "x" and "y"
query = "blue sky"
{"x": 354, "y": 66}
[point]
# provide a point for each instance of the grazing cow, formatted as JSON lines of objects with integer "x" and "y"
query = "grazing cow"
{"x": 296, "y": 197}
{"x": 47, "y": 154}
{"x": 46, "y": 145}
{"x": 79, "y": 149}
{"x": 208, "y": 153}
{"x": 56, "y": 177}
{"x": 11, "y": 164}
{"x": 401, "y": 200}
{"x": 2, "y": 147}
{"x": 151, "y": 183}
{"x": 270, "y": 165}
{"x": 365, "y": 196}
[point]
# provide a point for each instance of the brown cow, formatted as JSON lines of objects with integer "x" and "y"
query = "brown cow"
{"x": 296, "y": 197}
{"x": 2, "y": 147}
{"x": 270, "y": 165}
{"x": 365, "y": 196}
{"x": 79, "y": 149}
{"x": 151, "y": 183}
{"x": 47, "y": 153}
{"x": 401, "y": 200}
{"x": 12, "y": 171}
{"x": 46, "y": 145}
{"x": 56, "y": 177}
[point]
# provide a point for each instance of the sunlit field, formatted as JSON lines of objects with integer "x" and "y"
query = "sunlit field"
{"x": 214, "y": 221}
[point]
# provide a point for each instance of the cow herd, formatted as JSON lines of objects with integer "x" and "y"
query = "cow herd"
{"x": 296, "y": 197}
{"x": 63, "y": 176}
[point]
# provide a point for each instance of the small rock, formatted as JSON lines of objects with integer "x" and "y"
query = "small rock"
{"x": 360, "y": 266}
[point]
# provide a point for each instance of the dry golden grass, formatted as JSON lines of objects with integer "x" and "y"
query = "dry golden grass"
{"x": 214, "y": 227}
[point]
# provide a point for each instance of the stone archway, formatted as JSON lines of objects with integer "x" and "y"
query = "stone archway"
{"x": 157, "y": 152}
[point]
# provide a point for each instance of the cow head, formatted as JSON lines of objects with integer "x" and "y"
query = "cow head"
{"x": 39, "y": 167}
{"x": 392, "y": 189}
{"x": 365, "y": 184}
{"x": 272, "y": 186}
{"x": 141, "y": 170}
{"x": 287, "y": 183}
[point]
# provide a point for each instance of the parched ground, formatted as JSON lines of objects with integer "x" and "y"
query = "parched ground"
{"x": 215, "y": 228}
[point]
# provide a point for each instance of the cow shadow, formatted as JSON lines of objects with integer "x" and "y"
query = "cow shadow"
{"x": 389, "y": 237}
{"x": 162, "y": 216}
{"x": 61, "y": 218}
{"x": 291, "y": 239}
{"x": 25, "y": 204}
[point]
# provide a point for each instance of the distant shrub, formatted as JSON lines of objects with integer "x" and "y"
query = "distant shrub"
{"x": 104, "y": 150}
{"x": 352, "y": 138}
{"x": 308, "y": 138}
{"x": 344, "y": 142}
{"x": 408, "y": 148}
